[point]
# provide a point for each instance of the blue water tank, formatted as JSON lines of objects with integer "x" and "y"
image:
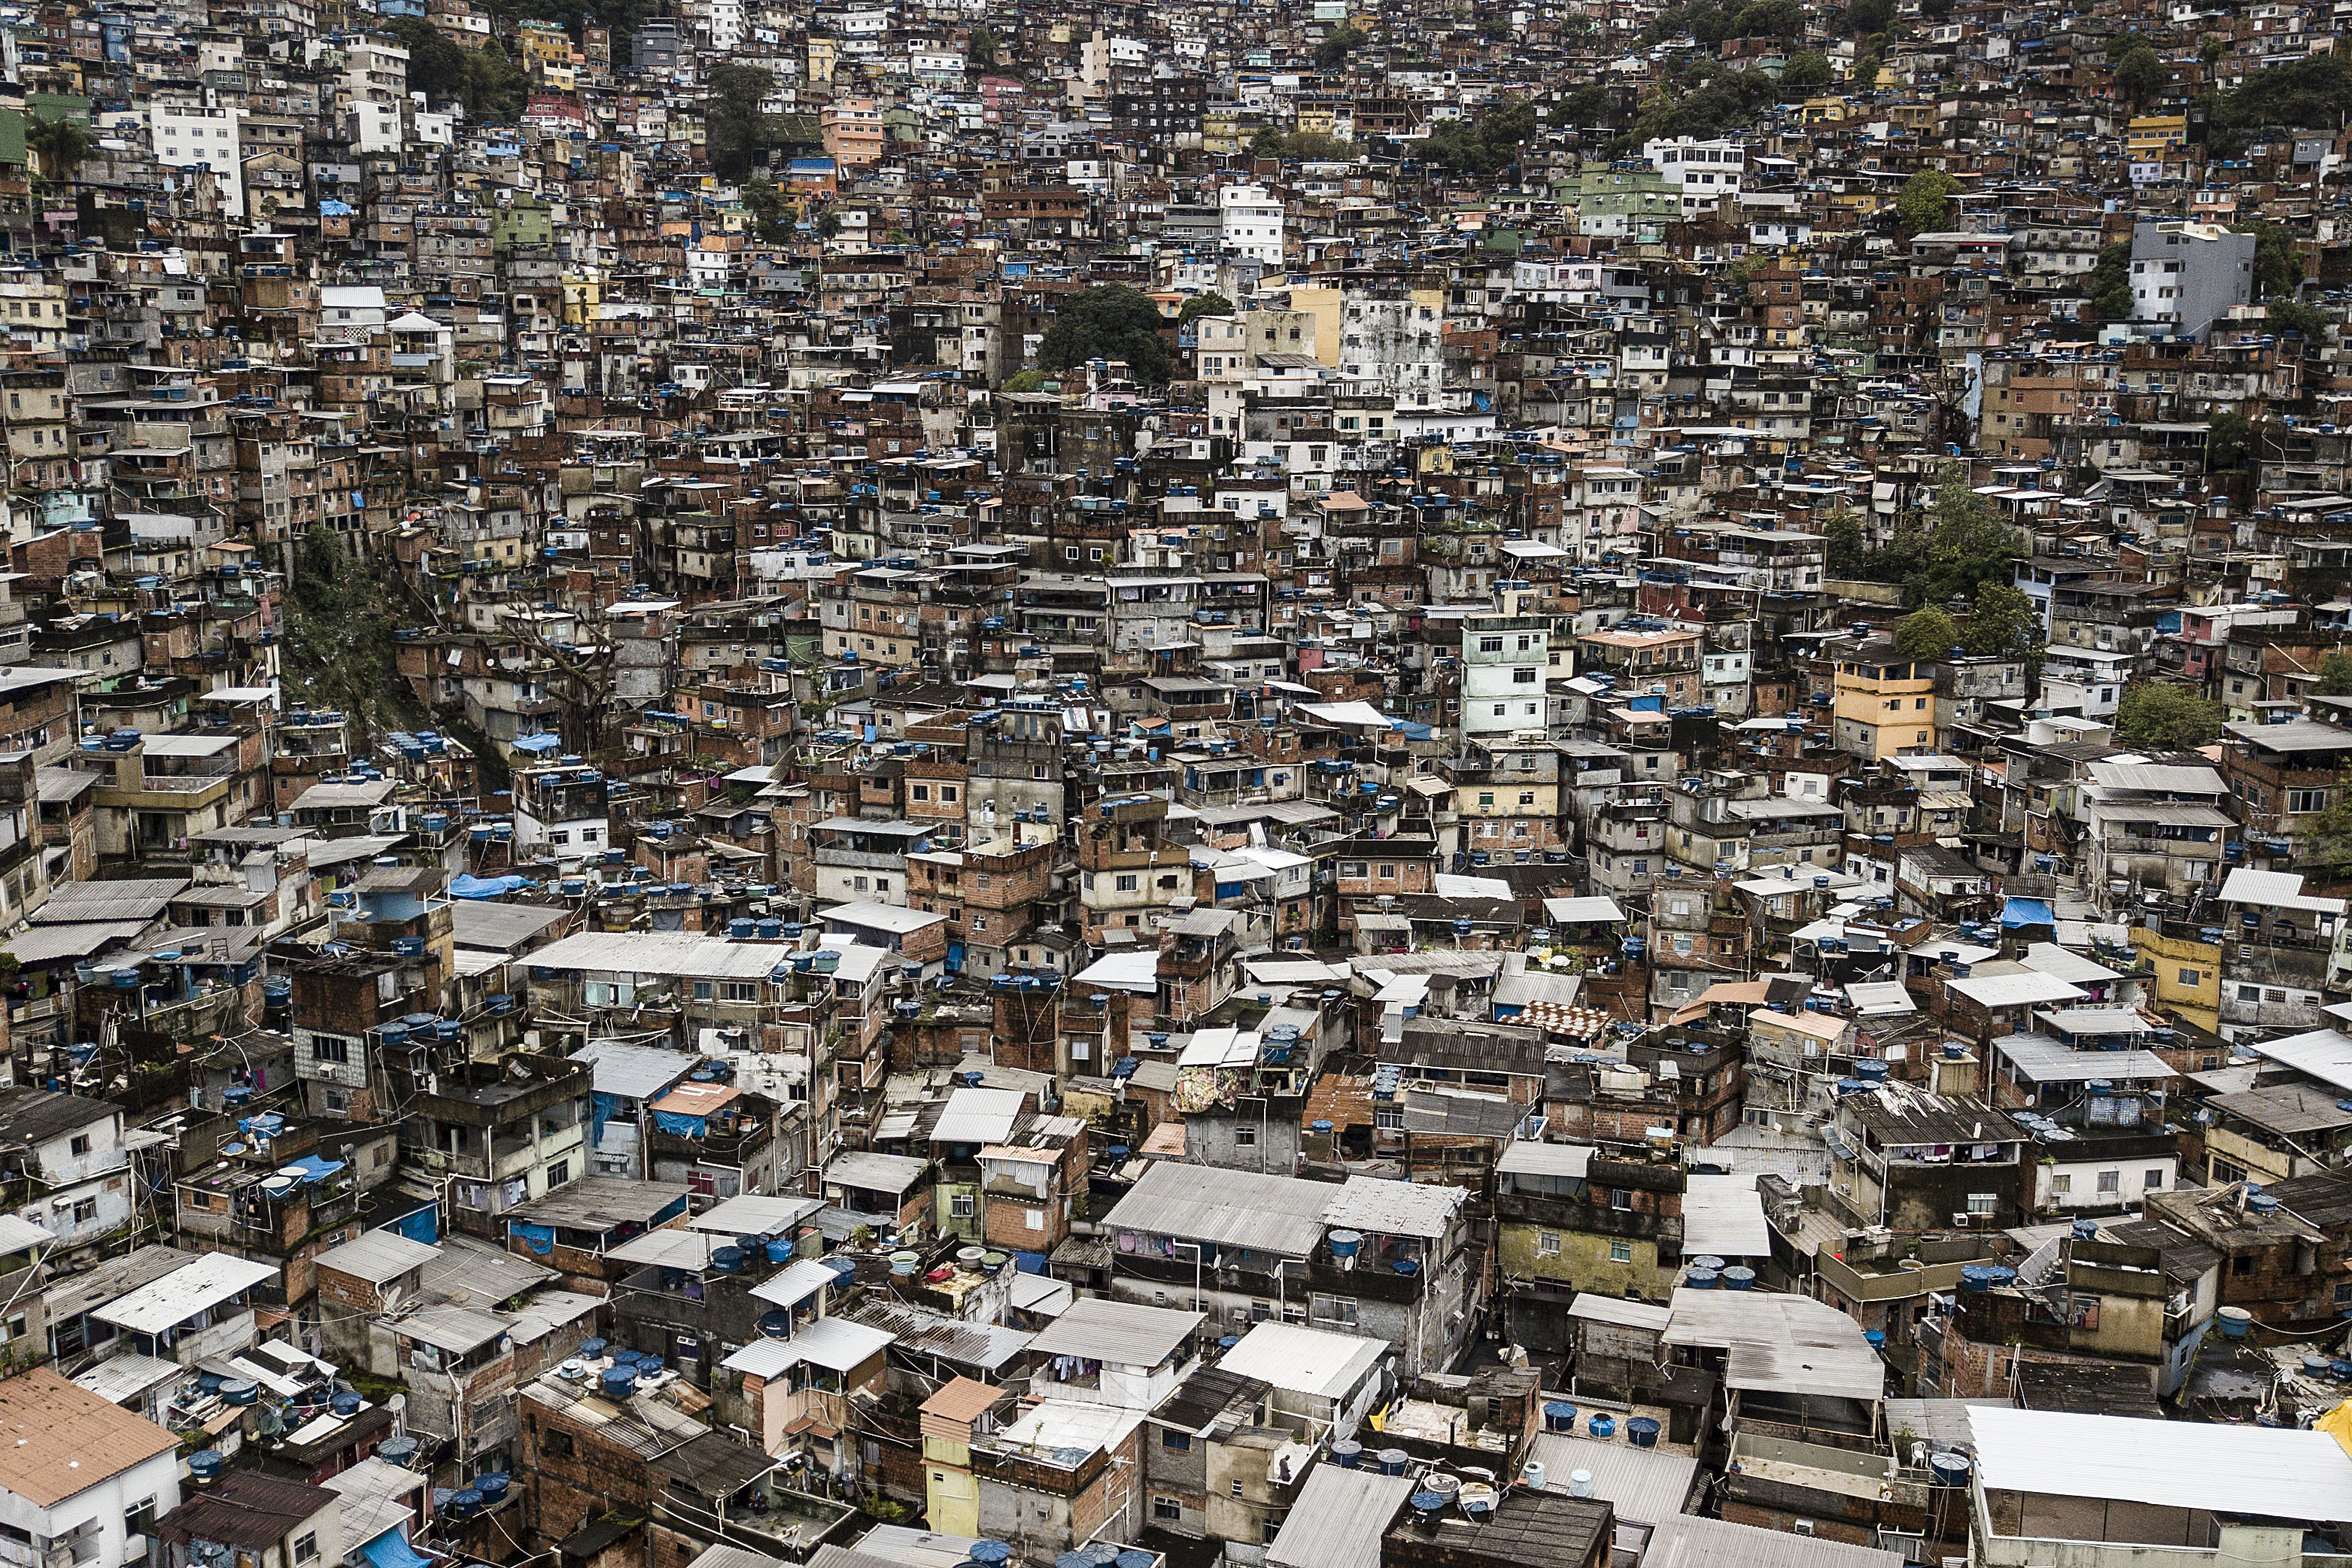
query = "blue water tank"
{"x": 205, "y": 1464}
{"x": 1348, "y": 1454}
{"x": 493, "y": 1486}
{"x": 618, "y": 1381}
{"x": 1736, "y": 1278}
{"x": 776, "y": 1325}
{"x": 1559, "y": 1416}
{"x": 1641, "y": 1431}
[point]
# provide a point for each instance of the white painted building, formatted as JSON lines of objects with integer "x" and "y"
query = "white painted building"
{"x": 200, "y": 137}
{"x": 1708, "y": 173}
{"x": 1251, "y": 222}
{"x": 81, "y": 1479}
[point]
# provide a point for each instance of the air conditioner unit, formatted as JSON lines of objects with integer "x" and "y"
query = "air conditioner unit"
{"x": 1964, "y": 1222}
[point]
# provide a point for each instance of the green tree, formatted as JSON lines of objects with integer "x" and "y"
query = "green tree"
{"x": 2326, "y": 839}
{"x": 979, "y": 48}
{"x": 1494, "y": 29}
{"x": 2226, "y": 443}
{"x": 1342, "y": 43}
{"x": 1110, "y": 320}
{"x": 2110, "y": 285}
{"x": 1865, "y": 70}
{"x": 2279, "y": 267}
{"x": 2335, "y": 675}
{"x": 2161, "y": 717}
{"x": 736, "y": 131}
{"x": 1588, "y": 105}
{"x": 2305, "y": 321}
{"x": 2140, "y": 75}
{"x": 1967, "y": 545}
{"x": 60, "y": 141}
{"x": 1027, "y": 381}
{"x": 436, "y": 67}
{"x": 2002, "y": 618}
{"x": 771, "y": 210}
{"x": 1847, "y": 551}
{"x": 339, "y": 642}
{"x": 1198, "y": 305}
{"x": 1807, "y": 69}
{"x": 1926, "y": 633}
{"x": 1926, "y": 201}
{"x": 2212, "y": 47}
{"x": 1868, "y": 18}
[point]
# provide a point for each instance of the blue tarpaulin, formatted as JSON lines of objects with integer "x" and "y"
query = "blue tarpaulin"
{"x": 678, "y": 1123}
{"x": 419, "y": 1225}
{"x": 465, "y": 887}
{"x": 539, "y": 1238}
{"x": 314, "y": 1169}
{"x": 601, "y": 1108}
{"x": 2027, "y": 913}
{"x": 537, "y": 742}
{"x": 391, "y": 1551}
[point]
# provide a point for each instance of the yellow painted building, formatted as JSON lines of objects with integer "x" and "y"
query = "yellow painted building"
{"x": 1885, "y": 704}
{"x": 2188, "y": 974}
{"x": 581, "y": 296}
{"x": 2151, "y": 136}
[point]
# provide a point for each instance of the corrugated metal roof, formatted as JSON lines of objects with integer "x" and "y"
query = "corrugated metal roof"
{"x": 1394, "y": 1207}
{"x": 378, "y": 1256}
{"x": 1723, "y": 1216}
{"x": 1300, "y": 1359}
{"x": 1280, "y": 1215}
{"x": 1338, "y": 1518}
{"x": 982, "y": 1346}
{"x": 1644, "y": 1485}
{"x": 211, "y": 1279}
{"x": 875, "y": 1172}
{"x": 670, "y": 954}
{"x": 1686, "y": 1541}
{"x": 1783, "y": 1345}
{"x": 835, "y": 1343}
{"x": 138, "y": 900}
{"x": 978, "y": 1116}
{"x": 2269, "y": 1472}
{"x": 1124, "y": 1334}
{"x": 634, "y": 1072}
{"x": 1528, "y": 1157}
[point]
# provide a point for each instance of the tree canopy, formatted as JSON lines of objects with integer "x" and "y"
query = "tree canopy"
{"x": 1198, "y": 305}
{"x": 2141, "y": 75}
{"x": 484, "y": 82}
{"x": 2160, "y": 716}
{"x": 1340, "y": 45}
{"x": 1926, "y": 201}
{"x": 2335, "y": 677}
{"x": 338, "y": 641}
{"x": 1926, "y": 633}
{"x": 1111, "y": 322}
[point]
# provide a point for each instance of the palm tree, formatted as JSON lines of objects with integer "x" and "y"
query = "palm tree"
{"x": 60, "y": 145}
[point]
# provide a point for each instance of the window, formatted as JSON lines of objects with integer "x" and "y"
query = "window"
{"x": 2306, "y": 800}
{"x": 140, "y": 1519}
{"x": 961, "y": 1205}
{"x": 1237, "y": 1486}
{"x": 1983, "y": 1202}
{"x": 559, "y": 1173}
{"x": 1620, "y": 1252}
{"x": 80, "y": 1145}
{"x": 1335, "y": 1309}
{"x": 1244, "y": 1137}
{"x": 2152, "y": 1180}
{"x": 1123, "y": 884}
{"x": 1547, "y": 1244}
{"x": 555, "y": 1445}
{"x": 2190, "y": 976}
{"x": 323, "y": 1047}
{"x": 2110, "y": 1182}
{"x": 1179, "y": 1441}
{"x": 1167, "y": 1508}
{"x": 306, "y": 1546}
{"x": 1388, "y": 1118}
{"x": 2061, "y": 1185}
{"x": 85, "y": 1211}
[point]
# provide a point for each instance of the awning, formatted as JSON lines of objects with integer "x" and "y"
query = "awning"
{"x": 391, "y": 1549}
